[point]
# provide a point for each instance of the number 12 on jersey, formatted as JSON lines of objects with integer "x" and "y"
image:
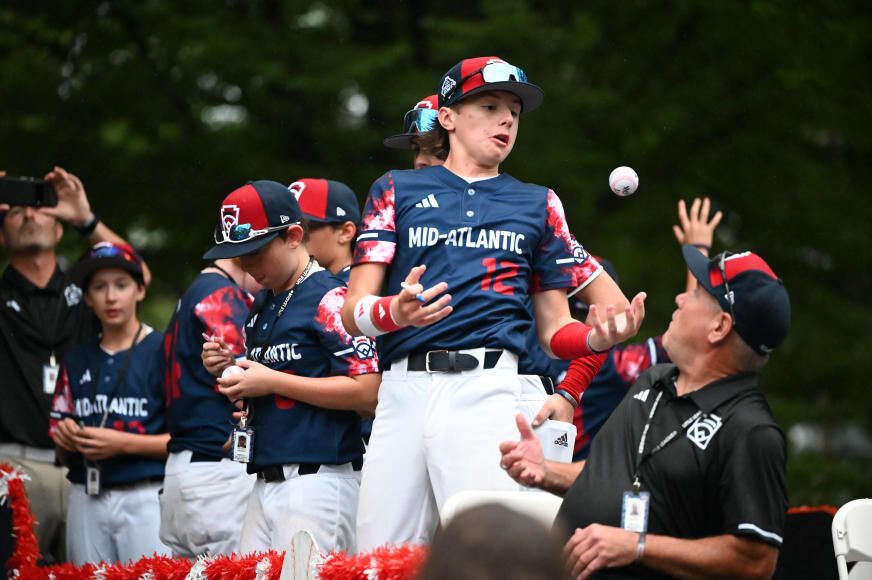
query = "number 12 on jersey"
{"x": 494, "y": 280}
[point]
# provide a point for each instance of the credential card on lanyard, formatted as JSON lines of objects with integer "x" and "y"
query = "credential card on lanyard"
{"x": 634, "y": 511}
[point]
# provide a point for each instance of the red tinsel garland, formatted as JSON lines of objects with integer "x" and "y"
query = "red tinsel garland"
{"x": 26, "y": 553}
{"x": 401, "y": 563}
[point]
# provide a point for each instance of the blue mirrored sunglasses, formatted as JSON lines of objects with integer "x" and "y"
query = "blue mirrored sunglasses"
{"x": 420, "y": 120}
{"x": 495, "y": 72}
{"x": 110, "y": 251}
{"x": 242, "y": 233}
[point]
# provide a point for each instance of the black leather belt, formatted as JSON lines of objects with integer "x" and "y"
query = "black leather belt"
{"x": 273, "y": 473}
{"x": 449, "y": 361}
{"x": 203, "y": 458}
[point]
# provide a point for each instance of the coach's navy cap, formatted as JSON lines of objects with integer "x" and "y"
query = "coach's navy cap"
{"x": 251, "y": 217}
{"x": 488, "y": 73}
{"x": 420, "y": 119}
{"x": 324, "y": 200}
{"x": 106, "y": 255}
{"x": 760, "y": 304}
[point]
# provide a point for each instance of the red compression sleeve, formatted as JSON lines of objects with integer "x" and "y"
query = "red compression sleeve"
{"x": 581, "y": 372}
{"x": 570, "y": 341}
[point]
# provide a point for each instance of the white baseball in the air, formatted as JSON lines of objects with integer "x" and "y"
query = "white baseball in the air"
{"x": 623, "y": 181}
{"x": 230, "y": 371}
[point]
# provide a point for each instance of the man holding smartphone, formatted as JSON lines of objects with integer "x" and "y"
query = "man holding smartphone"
{"x": 42, "y": 315}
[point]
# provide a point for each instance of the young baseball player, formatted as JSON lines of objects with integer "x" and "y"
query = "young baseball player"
{"x": 422, "y": 118}
{"x": 303, "y": 379}
{"x": 205, "y": 493}
{"x": 534, "y": 366}
{"x": 450, "y": 387}
{"x": 107, "y": 417}
{"x": 332, "y": 215}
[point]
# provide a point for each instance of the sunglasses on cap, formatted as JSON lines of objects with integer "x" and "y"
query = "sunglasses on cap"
{"x": 494, "y": 72}
{"x": 113, "y": 251}
{"x": 728, "y": 295}
{"x": 420, "y": 120}
{"x": 242, "y": 232}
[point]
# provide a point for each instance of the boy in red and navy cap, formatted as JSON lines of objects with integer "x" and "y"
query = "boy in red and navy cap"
{"x": 332, "y": 217}
{"x": 451, "y": 386}
{"x": 107, "y": 417}
{"x": 422, "y": 118}
{"x": 303, "y": 384}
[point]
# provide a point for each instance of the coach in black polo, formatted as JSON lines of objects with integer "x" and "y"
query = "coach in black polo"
{"x": 687, "y": 477}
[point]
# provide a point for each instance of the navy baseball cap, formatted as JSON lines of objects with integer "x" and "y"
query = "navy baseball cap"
{"x": 420, "y": 119}
{"x": 487, "y": 73}
{"x": 745, "y": 286}
{"x": 106, "y": 255}
{"x": 251, "y": 217}
{"x": 324, "y": 200}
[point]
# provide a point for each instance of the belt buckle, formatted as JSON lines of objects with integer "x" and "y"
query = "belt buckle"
{"x": 427, "y": 361}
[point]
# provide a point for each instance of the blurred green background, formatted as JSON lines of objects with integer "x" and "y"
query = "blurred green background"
{"x": 162, "y": 108}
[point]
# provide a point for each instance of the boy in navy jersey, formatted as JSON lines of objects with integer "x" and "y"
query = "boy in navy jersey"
{"x": 332, "y": 215}
{"x": 451, "y": 386}
{"x": 205, "y": 492}
{"x": 303, "y": 382}
{"x": 107, "y": 417}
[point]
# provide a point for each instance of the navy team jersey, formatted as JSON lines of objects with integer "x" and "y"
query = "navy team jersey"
{"x": 199, "y": 418}
{"x": 136, "y": 405}
{"x": 619, "y": 371}
{"x": 493, "y": 241}
{"x": 308, "y": 340}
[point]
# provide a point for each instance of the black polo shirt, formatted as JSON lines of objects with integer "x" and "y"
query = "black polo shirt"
{"x": 723, "y": 474}
{"x": 34, "y": 322}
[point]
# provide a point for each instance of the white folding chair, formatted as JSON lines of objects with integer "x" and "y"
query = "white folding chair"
{"x": 852, "y": 539}
{"x": 541, "y": 506}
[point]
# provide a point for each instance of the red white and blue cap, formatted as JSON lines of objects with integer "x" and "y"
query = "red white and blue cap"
{"x": 420, "y": 119}
{"x": 106, "y": 255}
{"x": 487, "y": 73}
{"x": 325, "y": 200}
{"x": 251, "y": 217}
{"x": 760, "y": 301}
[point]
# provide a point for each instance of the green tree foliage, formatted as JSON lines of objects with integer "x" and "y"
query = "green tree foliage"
{"x": 165, "y": 107}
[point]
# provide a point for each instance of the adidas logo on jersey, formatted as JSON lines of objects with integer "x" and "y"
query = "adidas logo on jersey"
{"x": 563, "y": 441}
{"x": 429, "y": 201}
{"x": 642, "y": 395}
{"x": 86, "y": 378}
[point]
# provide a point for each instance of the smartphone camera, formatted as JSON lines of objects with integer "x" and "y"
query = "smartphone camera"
{"x": 27, "y": 191}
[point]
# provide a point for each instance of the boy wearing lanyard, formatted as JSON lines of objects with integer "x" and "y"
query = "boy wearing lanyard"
{"x": 303, "y": 384}
{"x": 107, "y": 417}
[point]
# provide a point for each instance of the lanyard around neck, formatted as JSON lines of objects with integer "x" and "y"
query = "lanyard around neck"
{"x": 641, "y": 455}
{"x": 95, "y": 375}
{"x": 281, "y": 311}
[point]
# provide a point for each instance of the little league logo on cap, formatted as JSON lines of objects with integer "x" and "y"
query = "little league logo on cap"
{"x": 420, "y": 119}
{"x": 251, "y": 217}
{"x": 746, "y": 287}
{"x": 325, "y": 200}
{"x": 488, "y": 73}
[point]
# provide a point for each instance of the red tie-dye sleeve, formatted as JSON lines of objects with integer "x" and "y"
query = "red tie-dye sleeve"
{"x": 377, "y": 241}
{"x": 351, "y": 355}
{"x": 223, "y": 314}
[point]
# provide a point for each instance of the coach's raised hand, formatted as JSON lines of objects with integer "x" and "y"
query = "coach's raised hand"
{"x": 408, "y": 310}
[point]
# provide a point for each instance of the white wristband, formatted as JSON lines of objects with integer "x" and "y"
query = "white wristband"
{"x": 363, "y": 316}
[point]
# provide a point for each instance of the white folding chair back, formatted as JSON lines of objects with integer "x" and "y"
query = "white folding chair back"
{"x": 852, "y": 539}
{"x": 541, "y": 506}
